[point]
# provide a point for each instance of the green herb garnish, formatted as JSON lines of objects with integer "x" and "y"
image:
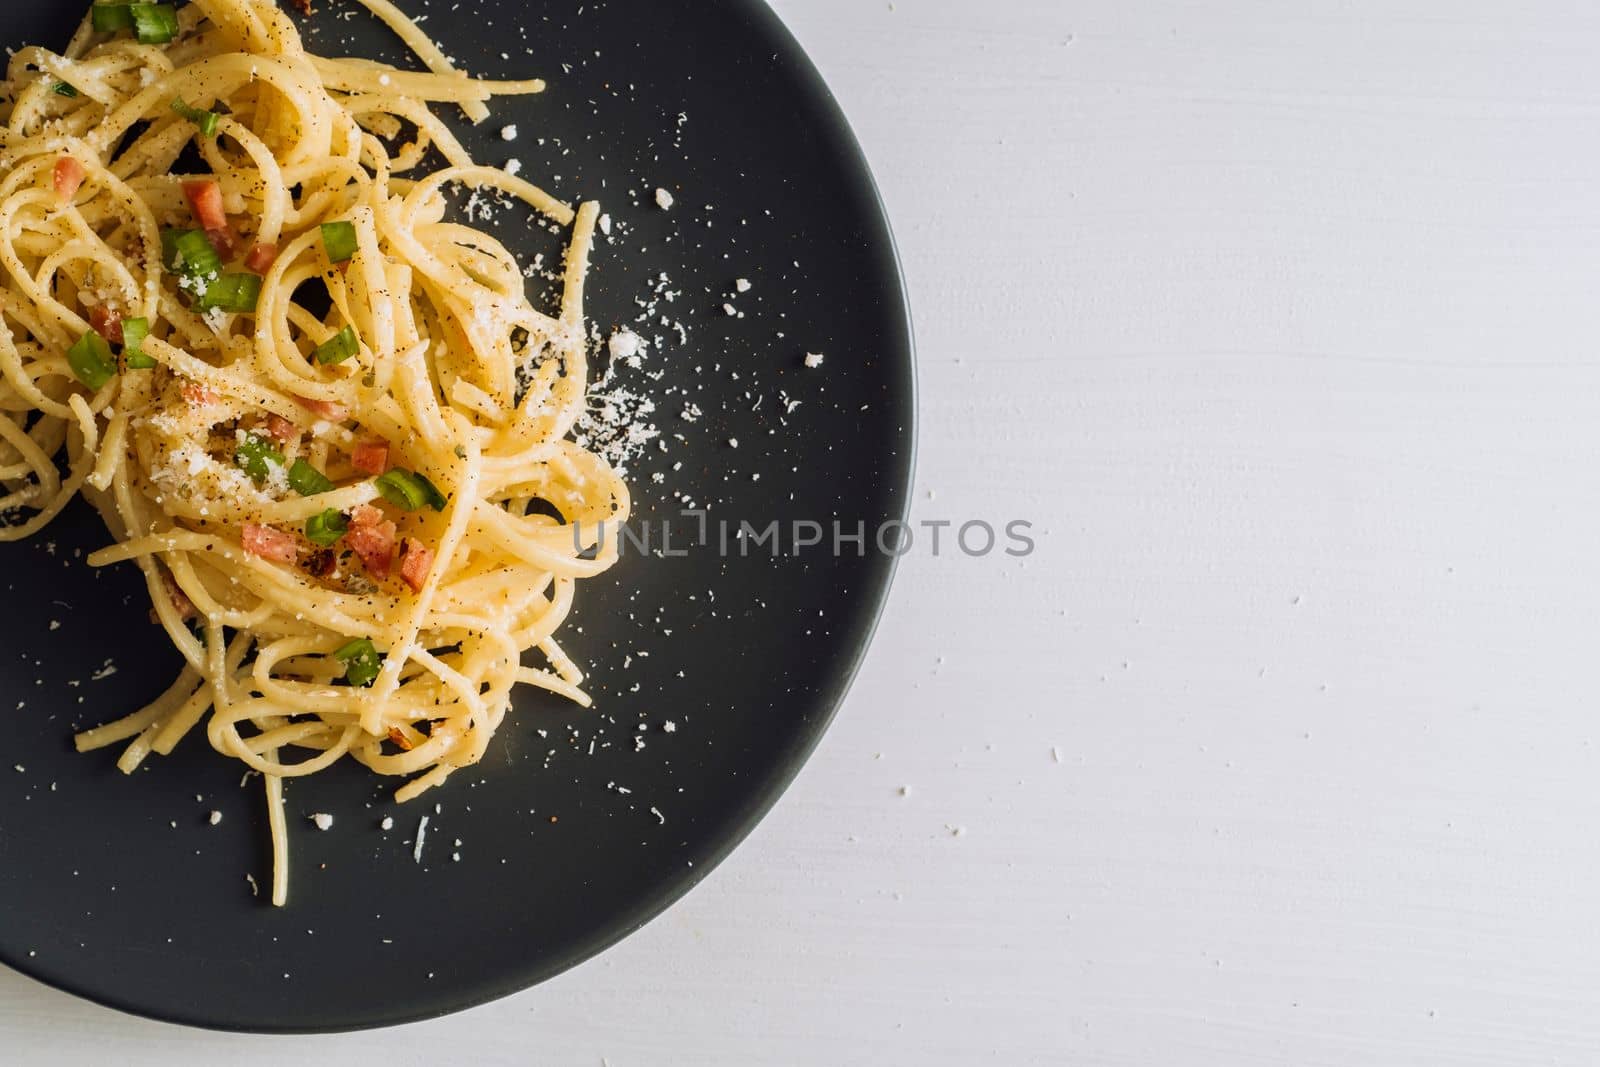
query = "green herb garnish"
{"x": 361, "y": 662}
{"x": 91, "y": 360}
{"x": 409, "y": 490}
{"x": 338, "y": 348}
{"x": 256, "y": 457}
{"x": 339, "y": 239}
{"x": 307, "y": 480}
{"x": 326, "y": 528}
{"x": 134, "y": 331}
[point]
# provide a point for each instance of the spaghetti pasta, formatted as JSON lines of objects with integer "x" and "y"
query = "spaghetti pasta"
{"x": 343, "y": 516}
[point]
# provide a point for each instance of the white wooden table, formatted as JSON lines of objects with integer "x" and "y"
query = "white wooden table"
{"x": 1280, "y": 322}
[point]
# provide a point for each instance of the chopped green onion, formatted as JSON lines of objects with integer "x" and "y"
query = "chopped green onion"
{"x": 109, "y": 18}
{"x": 338, "y": 348}
{"x": 153, "y": 23}
{"x": 134, "y": 331}
{"x": 361, "y": 662}
{"x": 307, "y": 480}
{"x": 187, "y": 252}
{"x": 256, "y": 457}
{"x": 206, "y": 120}
{"x": 409, "y": 490}
{"x": 91, "y": 360}
{"x": 326, "y": 528}
{"x": 64, "y": 89}
{"x": 339, "y": 238}
{"x": 232, "y": 292}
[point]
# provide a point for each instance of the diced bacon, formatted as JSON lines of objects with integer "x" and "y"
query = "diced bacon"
{"x": 222, "y": 239}
{"x": 205, "y": 200}
{"x": 261, "y": 257}
{"x": 180, "y": 600}
{"x": 374, "y": 542}
{"x": 415, "y": 564}
{"x": 268, "y": 543}
{"x": 107, "y": 322}
{"x": 69, "y": 175}
{"x": 200, "y": 395}
{"x": 281, "y": 429}
{"x": 324, "y": 409}
{"x": 365, "y": 515}
{"x": 370, "y": 457}
{"x": 401, "y": 741}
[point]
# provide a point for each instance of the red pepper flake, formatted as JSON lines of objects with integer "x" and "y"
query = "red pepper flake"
{"x": 321, "y": 563}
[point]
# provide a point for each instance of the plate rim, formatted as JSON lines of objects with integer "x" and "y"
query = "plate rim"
{"x": 903, "y": 372}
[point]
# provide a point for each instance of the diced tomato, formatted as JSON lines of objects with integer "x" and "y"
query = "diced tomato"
{"x": 200, "y": 395}
{"x": 69, "y": 175}
{"x": 415, "y": 564}
{"x": 370, "y": 457}
{"x": 261, "y": 257}
{"x": 107, "y": 322}
{"x": 268, "y": 543}
{"x": 324, "y": 409}
{"x": 205, "y": 200}
{"x": 281, "y": 429}
{"x": 374, "y": 542}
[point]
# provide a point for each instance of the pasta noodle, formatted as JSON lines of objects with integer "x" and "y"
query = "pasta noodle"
{"x": 353, "y": 519}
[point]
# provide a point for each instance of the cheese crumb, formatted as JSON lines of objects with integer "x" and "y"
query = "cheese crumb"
{"x": 663, "y": 200}
{"x": 323, "y": 820}
{"x": 813, "y": 360}
{"x": 508, "y": 133}
{"x": 729, "y": 310}
{"x": 216, "y": 818}
{"x": 669, "y": 727}
{"x": 387, "y": 823}
{"x": 422, "y": 835}
{"x": 605, "y": 224}
{"x": 742, "y": 285}
{"x": 625, "y": 344}
{"x": 513, "y": 167}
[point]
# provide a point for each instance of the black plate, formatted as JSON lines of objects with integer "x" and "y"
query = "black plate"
{"x": 116, "y": 888}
